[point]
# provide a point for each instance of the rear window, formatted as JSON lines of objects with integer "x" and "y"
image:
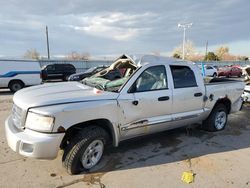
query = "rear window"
{"x": 183, "y": 76}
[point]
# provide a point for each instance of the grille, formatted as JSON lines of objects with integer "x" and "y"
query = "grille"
{"x": 17, "y": 116}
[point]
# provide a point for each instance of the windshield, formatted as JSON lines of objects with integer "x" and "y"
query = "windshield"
{"x": 113, "y": 77}
{"x": 105, "y": 84}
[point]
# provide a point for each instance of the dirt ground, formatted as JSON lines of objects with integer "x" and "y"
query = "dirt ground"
{"x": 217, "y": 159}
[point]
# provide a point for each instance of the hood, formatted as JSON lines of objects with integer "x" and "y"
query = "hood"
{"x": 58, "y": 93}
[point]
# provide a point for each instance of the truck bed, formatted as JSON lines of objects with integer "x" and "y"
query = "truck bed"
{"x": 217, "y": 88}
{"x": 210, "y": 80}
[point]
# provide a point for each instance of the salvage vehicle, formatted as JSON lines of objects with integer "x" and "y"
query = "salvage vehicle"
{"x": 246, "y": 74}
{"x": 81, "y": 75}
{"x": 83, "y": 118}
{"x": 246, "y": 94}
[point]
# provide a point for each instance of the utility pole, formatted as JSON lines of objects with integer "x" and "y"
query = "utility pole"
{"x": 184, "y": 26}
{"x": 47, "y": 37}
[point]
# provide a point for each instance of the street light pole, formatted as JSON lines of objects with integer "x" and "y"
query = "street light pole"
{"x": 184, "y": 26}
{"x": 47, "y": 39}
{"x": 183, "y": 43}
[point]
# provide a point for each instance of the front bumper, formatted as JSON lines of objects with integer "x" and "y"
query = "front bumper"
{"x": 31, "y": 143}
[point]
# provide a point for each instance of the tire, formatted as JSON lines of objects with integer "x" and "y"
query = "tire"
{"x": 214, "y": 75}
{"x": 217, "y": 119}
{"x": 85, "y": 149}
{"x": 16, "y": 85}
{"x": 65, "y": 78}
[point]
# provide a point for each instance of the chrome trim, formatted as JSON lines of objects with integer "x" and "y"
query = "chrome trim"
{"x": 185, "y": 117}
{"x": 144, "y": 123}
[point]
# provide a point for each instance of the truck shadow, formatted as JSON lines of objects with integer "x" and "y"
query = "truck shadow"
{"x": 177, "y": 145}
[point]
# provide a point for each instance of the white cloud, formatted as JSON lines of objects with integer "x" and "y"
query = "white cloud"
{"x": 117, "y": 26}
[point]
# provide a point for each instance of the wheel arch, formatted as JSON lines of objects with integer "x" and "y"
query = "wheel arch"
{"x": 103, "y": 123}
{"x": 225, "y": 101}
{"x": 15, "y": 80}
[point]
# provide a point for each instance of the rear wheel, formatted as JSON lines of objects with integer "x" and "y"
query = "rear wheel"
{"x": 215, "y": 75}
{"x": 217, "y": 120}
{"x": 85, "y": 150}
{"x": 16, "y": 85}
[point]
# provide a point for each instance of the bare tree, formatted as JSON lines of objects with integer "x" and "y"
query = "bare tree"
{"x": 77, "y": 56}
{"x": 190, "y": 50}
{"x": 222, "y": 52}
{"x": 31, "y": 54}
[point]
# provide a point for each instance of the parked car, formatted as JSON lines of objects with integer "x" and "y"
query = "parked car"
{"x": 91, "y": 71}
{"x": 18, "y": 74}
{"x": 210, "y": 70}
{"x": 230, "y": 71}
{"x": 57, "y": 71}
{"x": 154, "y": 94}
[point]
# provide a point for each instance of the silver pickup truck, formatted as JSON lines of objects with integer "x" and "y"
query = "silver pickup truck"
{"x": 153, "y": 94}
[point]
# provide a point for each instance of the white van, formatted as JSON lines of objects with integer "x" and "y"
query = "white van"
{"x": 16, "y": 74}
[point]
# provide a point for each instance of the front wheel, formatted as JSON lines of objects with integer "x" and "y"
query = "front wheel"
{"x": 217, "y": 120}
{"x": 85, "y": 150}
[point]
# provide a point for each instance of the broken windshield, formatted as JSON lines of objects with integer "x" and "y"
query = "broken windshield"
{"x": 104, "y": 84}
{"x": 113, "y": 77}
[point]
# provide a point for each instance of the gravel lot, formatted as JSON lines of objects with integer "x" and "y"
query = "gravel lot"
{"x": 218, "y": 159}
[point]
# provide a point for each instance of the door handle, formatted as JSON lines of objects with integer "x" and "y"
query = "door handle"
{"x": 135, "y": 102}
{"x": 164, "y": 98}
{"x": 198, "y": 94}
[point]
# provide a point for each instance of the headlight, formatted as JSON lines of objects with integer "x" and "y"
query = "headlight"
{"x": 39, "y": 122}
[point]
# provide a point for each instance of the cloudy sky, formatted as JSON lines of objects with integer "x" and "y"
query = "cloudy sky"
{"x": 102, "y": 27}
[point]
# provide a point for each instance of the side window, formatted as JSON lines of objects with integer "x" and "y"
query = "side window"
{"x": 59, "y": 67}
{"x": 153, "y": 78}
{"x": 50, "y": 68}
{"x": 183, "y": 76}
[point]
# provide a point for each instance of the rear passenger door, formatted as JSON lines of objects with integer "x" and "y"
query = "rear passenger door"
{"x": 187, "y": 95}
{"x": 51, "y": 71}
{"x": 60, "y": 69}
